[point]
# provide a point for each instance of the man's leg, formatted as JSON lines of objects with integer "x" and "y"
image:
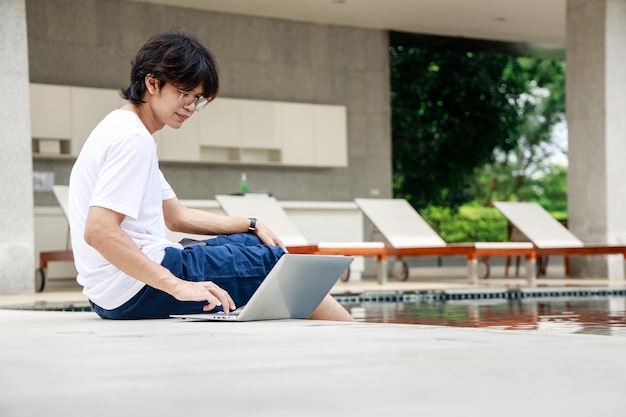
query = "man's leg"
{"x": 330, "y": 309}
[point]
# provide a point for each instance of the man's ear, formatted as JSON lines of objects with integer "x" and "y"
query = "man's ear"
{"x": 152, "y": 84}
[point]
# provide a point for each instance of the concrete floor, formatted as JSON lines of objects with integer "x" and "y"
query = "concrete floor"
{"x": 75, "y": 364}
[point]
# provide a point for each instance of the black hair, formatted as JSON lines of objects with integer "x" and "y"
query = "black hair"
{"x": 176, "y": 58}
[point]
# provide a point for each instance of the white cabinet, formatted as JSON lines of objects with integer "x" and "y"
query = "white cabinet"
{"x": 253, "y": 131}
{"x": 236, "y": 130}
{"x": 260, "y": 125}
{"x": 220, "y": 123}
{"x": 331, "y": 146}
{"x": 180, "y": 144}
{"x": 51, "y": 122}
{"x": 88, "y": 107}
{"x": 62, "y": 117}
{"x": 297, "y": 134}
{"x": 219, "y": 131}
{"x": 314, "y": 135}
{"x": 229, "y": 130}
{"x": 50, "y": 108}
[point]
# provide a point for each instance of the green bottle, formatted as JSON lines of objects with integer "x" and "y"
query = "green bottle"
{"x": 243, "y": 184}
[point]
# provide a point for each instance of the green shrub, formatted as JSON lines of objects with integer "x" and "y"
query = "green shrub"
{"x": 467, "y": 224}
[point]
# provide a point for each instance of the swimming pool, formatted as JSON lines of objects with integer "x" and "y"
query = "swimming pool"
{"x": 597, "y": 311}
{"x": 591, "y": 312}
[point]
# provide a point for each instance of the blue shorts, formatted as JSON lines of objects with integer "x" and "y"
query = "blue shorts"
{"x": 236, "y": 263}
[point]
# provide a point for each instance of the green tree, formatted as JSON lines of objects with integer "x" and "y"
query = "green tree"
{"x": 550, "y": 191}
{"x": 472, "y": 127}
{"x": 518, "y": 173}
{"x": 450, "y": 111}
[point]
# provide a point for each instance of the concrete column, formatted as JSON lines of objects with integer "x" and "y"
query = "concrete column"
{"x": 596, "y": 115}
{"x": 17, "y": 245}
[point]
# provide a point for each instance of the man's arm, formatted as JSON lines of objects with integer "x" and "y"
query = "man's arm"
{"x": 104, "y": 233}
{"x": 179, "y": 218}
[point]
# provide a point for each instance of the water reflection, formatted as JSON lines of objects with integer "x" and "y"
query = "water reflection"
{"x": 583, "y": 315}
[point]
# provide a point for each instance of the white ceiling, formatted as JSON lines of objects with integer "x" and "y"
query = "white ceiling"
{"x": 528, "y": 21}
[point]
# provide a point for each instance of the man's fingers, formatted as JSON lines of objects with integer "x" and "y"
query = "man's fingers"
{"x": 218, "y": 297}
{"x": 208, "y": 307}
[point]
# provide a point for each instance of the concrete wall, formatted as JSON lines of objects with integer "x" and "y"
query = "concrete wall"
{"x": 91, "y": 43}
{"x": 596, "y": 99}
{"x": 16, "y": 201}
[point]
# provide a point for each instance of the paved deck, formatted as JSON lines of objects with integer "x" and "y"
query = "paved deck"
{"x": 75, "y": 364}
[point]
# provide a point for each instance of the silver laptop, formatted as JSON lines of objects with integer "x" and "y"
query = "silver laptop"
{"x": 293, "y": 289}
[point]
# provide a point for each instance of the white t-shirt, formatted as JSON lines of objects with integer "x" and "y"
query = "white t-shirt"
{"x": 117, "y": 169}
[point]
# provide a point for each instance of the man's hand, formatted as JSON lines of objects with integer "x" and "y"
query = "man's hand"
{"x": 204, "y": 291}
{"x": 267, "y": 236}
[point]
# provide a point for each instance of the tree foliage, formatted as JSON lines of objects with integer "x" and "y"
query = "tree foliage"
{"x": 449, "y": 112}
{"x": 453, "y": 113}
{"x": 524, "y": 171}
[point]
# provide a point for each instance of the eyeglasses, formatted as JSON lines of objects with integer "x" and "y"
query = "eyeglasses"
{"x": 185, "y": 99}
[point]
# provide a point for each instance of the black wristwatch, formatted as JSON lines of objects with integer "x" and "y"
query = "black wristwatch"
{"x": 252, "y": 227}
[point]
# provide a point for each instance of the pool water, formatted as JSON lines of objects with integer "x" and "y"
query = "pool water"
{"x": 582, "y": 315}
{"x": 598, "y": 311}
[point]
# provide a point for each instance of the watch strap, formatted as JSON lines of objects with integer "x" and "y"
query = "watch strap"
{"x": 252, "y": 227}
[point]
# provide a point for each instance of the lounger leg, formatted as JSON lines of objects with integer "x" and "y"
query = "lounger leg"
{"x": 398, "y": 267}
{"x": 531, "y": 271}
{"x": 382, "y": 272}
{"x": 472, "y": 270}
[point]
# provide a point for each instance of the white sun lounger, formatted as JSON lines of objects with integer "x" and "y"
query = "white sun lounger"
{"x": 550, "y": 237}
{"x": 61, "y": 194}
{"x": 408, "y": 234}
{"x": 273, "y": 215}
